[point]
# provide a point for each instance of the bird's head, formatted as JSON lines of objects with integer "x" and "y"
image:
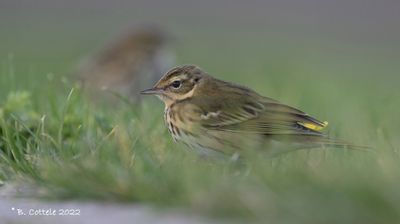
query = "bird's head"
{"x": 178, "y": 84}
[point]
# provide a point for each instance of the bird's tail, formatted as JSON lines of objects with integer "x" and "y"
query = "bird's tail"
{"x": 311, "y": 142}
{"x": 327, "y": 142}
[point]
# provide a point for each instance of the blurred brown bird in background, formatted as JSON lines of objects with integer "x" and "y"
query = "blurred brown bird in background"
{"x": 124, "y": 67}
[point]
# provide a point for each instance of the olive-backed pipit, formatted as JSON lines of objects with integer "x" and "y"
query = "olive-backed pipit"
{"x": 213, "y": 115}
{"x": 138, "y": 58}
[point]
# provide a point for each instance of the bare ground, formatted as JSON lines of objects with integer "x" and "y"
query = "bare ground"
{"x": 28, "y": 210}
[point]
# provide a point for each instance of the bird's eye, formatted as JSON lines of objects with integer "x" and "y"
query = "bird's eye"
{"x": 176, "y": 84}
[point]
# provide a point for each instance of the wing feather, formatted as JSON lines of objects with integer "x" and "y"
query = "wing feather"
{"x": 266, "y": 116}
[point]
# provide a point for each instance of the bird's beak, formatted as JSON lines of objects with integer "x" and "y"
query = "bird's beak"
{"x": 152, "y": 91}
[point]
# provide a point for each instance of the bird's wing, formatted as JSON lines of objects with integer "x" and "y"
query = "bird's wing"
{"x": 261, "y": 116}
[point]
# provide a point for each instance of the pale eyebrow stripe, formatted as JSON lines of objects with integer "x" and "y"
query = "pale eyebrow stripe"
{"x": 180, "y": 77}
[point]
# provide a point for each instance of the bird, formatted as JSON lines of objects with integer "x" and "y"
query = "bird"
{"x": 216, "y": 117}
{"x": 138, "y": 58}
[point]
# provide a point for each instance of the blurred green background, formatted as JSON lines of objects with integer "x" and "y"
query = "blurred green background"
{"x": 320, "y": 54}
{"x": 337, "y": 60}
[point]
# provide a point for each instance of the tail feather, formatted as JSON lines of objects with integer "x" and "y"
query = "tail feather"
{"x": 330, "y": 142}
{"x": 298, "y": 142}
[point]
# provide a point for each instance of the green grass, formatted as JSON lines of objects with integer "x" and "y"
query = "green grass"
{"x": 50, "y": 134}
